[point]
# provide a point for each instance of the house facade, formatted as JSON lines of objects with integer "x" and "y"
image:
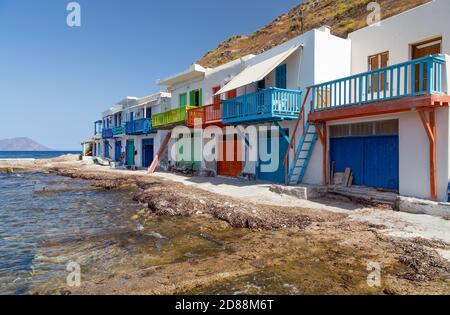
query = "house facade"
{"x": 389, "y": 120}
{"x": 375, "y": 102}
{"x": 259, "y": 92}
{"x": 194, "y": 98}
{"x": 127, "y": 135}
{"x": 270, "y": 92}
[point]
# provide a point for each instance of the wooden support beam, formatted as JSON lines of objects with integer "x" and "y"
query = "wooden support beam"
{"x": 429, "y": 124}
{"x": 323, "y": 135}
{"x": 433, "y": 181}
{"x": 162, "y": 149}
{"x": 426, "y": 125}
{"x": 319, "y": 133}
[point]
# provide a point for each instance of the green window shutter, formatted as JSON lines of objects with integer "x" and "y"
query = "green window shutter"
{"x": 191, "y": 98}
{"x": 200, "y": 97}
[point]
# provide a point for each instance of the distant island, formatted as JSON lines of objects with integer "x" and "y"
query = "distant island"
{"x": 22, "y": 144}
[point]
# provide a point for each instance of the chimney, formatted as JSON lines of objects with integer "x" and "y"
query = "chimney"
{"x": 326, "y": 29}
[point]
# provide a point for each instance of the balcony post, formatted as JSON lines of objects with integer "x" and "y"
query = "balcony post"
{"x": 323, "y": 135}
{"x": 430, "y": 128}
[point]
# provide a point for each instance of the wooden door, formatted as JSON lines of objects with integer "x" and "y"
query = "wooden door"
{"x": 420, "y": 50}
{"x": 216, "y": 98}
{"x": 230, "y": 153}
{"x": 231, "y": 94}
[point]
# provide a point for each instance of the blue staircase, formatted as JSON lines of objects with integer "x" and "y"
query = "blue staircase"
{"x": 303, "y": 155}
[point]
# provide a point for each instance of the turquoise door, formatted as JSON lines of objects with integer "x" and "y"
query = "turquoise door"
{"x": 130, "y": 153}
{"x": 273, "y": 170}
{"x": 106, "y": 149}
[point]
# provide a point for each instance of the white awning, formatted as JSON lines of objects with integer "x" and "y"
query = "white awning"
{"x": 257, "y": 72}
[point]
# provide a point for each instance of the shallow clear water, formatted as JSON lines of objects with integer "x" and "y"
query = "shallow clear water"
{"x": 47, "y": 221}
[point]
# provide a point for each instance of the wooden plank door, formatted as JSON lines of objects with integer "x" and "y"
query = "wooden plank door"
{"x": 230, "y": 163}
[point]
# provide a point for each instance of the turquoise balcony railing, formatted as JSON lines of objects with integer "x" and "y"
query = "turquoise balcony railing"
{"x": 139, "y": 127}
{"x": 271, "y": 104}
{"x": 118, "y": 131}
{"x": 422, "y": 76}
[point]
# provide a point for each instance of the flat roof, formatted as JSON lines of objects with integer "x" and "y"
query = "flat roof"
{"x": 195, "y": 71}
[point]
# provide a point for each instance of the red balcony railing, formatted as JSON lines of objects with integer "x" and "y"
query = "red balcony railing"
{"x": 209, "y": 115}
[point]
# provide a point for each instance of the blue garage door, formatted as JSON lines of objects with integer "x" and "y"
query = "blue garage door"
{"x": 373, "y": 160}
{"x": 277, "y": 176}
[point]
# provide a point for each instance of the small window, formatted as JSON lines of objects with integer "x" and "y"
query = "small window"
{"x": 183, "y": 99}
{"x": 148, "y": 112}
{"x": 195, "y": 98}
{"x": 262, "y": 84}
{"x": 216, "y": 98}
{"x": 376, "y": 62}
{"x": 374, "y": 128}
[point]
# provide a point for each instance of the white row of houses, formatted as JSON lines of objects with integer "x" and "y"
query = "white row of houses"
{"x": 375, "y": 102}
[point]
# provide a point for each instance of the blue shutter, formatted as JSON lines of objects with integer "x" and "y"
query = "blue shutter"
{"x": 280, "y": 77}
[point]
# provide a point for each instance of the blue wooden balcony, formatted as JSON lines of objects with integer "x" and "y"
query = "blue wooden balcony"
{"x": 107, "y": 133}
{"x": 271, "y": 104}
{"x": 118, "y": 131}
{"x": 139, "y": 127}
{"x": 424, "y": 76}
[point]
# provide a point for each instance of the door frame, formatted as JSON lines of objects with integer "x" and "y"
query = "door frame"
{"x": 281, "y": 155}
{"x": 435, "y": 41}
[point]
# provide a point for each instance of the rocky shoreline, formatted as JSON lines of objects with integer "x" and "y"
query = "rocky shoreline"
{"x": 410, "y": 265}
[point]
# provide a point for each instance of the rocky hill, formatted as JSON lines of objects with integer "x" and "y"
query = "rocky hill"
{"x": 21, "y": 144}
{"x": 343, "y": 16}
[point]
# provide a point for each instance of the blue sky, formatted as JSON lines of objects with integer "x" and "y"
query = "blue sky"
{"x": 55, "y": 81}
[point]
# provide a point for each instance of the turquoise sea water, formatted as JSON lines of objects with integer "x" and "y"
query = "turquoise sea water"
{"x": 34, "y": 154}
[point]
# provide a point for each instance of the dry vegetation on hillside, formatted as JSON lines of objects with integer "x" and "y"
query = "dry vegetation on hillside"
{"x": 343, "y": 16}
